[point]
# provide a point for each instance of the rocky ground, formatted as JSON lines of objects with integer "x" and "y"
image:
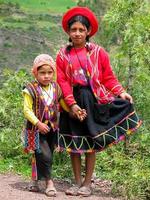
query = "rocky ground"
{"x": 14, "y": 187}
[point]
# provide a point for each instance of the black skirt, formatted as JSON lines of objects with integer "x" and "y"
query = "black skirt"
{"x": 105, "y": 124}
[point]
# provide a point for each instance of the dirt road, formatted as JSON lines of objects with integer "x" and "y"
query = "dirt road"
{"x": 14, "y": 187}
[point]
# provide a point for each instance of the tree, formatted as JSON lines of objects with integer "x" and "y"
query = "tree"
{"x": 128, "y": 22}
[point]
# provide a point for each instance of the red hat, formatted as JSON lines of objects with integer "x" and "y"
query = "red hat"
{"x": 84, "y": 11}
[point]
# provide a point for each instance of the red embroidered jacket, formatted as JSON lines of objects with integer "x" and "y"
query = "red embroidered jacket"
{"x": 74, "y": 67}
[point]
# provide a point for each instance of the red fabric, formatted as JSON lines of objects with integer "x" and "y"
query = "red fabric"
{"x": 103, "y": 81}
{"x": 84, "y": 11}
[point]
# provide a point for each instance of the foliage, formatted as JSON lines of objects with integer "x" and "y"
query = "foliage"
{"x": 99, "y": 7}
{"x": 130, "y": 20}
{"x": 129, "y": 171}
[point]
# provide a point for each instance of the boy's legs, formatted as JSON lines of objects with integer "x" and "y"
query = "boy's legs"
{"x": 44, "y": 160}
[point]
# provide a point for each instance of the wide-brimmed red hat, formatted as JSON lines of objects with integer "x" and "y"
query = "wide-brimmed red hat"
{"x": 84, "y": 11}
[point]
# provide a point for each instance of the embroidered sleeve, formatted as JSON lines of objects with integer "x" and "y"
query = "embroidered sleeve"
{"x": 109, "y": 79}
{"x": 63, "y": 81}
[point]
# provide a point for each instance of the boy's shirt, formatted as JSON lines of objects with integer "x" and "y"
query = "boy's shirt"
{"x": 48, "y": 96}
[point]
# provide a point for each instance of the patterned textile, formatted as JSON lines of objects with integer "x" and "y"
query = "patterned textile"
{"x": 31, "y": 139}
{"x": 34, "y": 168}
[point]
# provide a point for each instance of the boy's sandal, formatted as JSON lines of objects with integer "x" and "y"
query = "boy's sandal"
{"x": 73, "y": 190}
{"x": 34, "y": 188}
{"x": 51, "y": 191}
{"x": 85, "y": 191}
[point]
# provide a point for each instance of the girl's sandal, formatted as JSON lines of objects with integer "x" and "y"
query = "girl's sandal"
{"x": 85, "y": 191}
{"x": 73, "y": 190}
{"x": 51, "y": 191}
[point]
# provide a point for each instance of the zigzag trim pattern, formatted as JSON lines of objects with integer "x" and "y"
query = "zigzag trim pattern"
{"x": 124, "y": 126}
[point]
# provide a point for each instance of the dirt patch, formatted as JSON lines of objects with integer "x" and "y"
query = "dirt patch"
{"x": 14, "y": 187}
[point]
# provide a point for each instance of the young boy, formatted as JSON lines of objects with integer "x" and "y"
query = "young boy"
{"x": 40, "y": 109}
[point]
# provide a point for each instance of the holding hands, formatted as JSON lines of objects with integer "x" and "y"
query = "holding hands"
{"x": 77, "y": 112}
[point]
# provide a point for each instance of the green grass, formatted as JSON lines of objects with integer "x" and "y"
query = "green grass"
{"x": 42, "y": 6}
{"x": 33, "y": 13}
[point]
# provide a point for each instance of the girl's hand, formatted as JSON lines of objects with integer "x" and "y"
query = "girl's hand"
{"x": 126, "y": 96}
{"x": 43, "y": 128}
{"x": 82, "y": 115}
{"x": 77, "y": 112}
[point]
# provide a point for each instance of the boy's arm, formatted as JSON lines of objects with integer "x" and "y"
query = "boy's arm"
{"x": 29, "y": 114}
{"x": 61, "y": 99}
{"x": 27, "y": 108}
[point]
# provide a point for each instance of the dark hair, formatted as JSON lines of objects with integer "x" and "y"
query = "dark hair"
{"x": 79, "y": 18}
{"x": 83, "y": 20}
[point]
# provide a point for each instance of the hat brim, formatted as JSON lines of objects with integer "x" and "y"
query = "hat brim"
{"x": 84, "y": 11}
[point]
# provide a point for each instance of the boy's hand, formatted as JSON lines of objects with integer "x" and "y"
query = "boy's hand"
{"x": 43, "y": 128}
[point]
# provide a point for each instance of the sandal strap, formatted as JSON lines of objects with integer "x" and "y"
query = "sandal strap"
{"x": 51, "y": 191}
{"x": 85, "y": 191}
{"x": 33, "y": 188}
{"x": 73, "y": 190}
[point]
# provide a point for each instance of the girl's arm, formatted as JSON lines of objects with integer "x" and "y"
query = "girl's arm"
{"x": 63, "y": 82}
{"x": 109, "y": 80}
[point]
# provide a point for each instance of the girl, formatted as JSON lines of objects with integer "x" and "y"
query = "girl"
{"x": 88, "y": 82}
{"x": 40, "y": 109}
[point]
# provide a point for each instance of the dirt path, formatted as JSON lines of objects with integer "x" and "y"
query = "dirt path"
{"x": 14, "y": 187}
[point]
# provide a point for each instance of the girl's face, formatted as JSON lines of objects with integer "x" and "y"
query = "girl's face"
{"x": 45, "y": 75}
{"x": 78, "y": 33}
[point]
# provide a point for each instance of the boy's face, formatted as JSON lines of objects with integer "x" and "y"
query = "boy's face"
{"x": 45, "y": 75}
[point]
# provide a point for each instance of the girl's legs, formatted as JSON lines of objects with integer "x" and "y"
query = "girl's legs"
{"x": 89, "y": 168}
{"x": 85, "y": 190}
{"x": 76, "y": 165}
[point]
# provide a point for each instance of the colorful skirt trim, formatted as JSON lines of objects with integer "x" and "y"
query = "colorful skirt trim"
{"x": 91, "y": 135}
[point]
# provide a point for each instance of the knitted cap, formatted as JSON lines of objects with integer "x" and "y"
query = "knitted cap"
{"x": 42, "y": 59}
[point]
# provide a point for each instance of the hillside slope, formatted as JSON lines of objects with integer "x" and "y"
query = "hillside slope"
{"x": 29, "y": 29}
